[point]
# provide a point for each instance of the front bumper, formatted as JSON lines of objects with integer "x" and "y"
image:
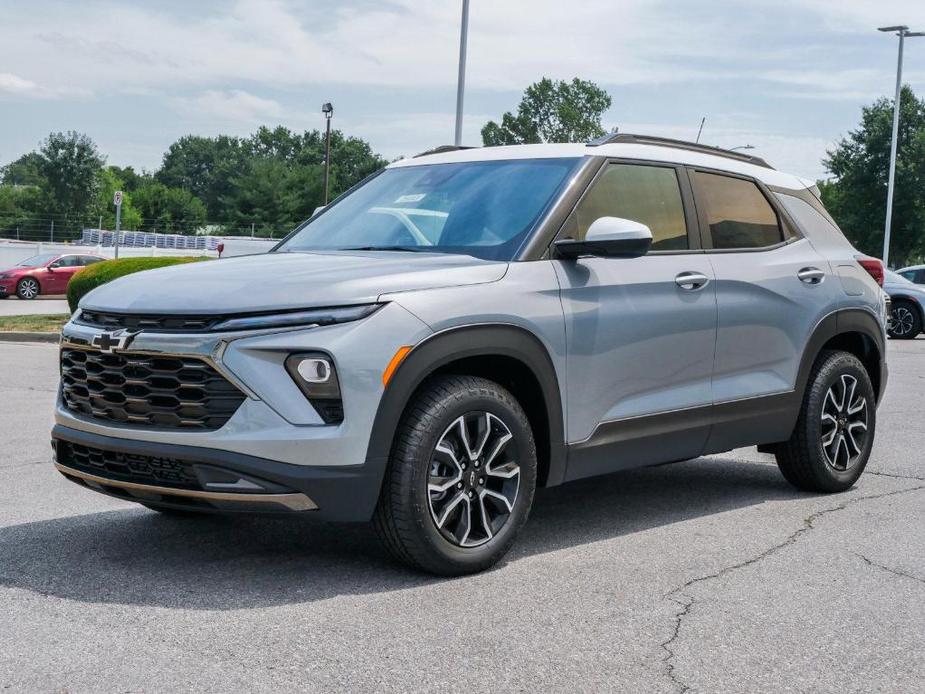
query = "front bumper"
{"x": 275, "y": 435}
{"x": 332, "y": 493}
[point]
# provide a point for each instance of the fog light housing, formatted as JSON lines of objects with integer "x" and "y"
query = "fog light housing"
{"x": 316, "y": 376}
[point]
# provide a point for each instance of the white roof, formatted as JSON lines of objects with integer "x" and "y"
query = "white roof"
{"x": 622, "y": 150}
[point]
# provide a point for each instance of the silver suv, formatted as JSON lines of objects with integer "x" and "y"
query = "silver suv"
{"x": 467, "y": 325}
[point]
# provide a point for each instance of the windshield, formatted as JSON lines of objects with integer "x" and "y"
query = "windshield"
{"x": 485, "y": 209}
{"x": 38, "y": 260}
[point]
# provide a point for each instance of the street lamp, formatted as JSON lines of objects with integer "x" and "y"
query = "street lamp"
{"x": 902, "y": 32}
{"x": 328, "y": 111}
{"x": 461, "y": 78}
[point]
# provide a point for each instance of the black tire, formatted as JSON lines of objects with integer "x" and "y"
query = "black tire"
{"x": 24, "y": 288}
{"x": 405, "y": 517}
{"x": 804, "y": 461}
{"x": 906, "y": 322}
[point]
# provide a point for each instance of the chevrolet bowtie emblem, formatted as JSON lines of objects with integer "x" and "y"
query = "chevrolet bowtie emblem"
{"x": 112, "y": 342}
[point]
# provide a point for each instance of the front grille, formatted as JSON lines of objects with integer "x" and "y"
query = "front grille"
{"x": 149, "y": 391}
{"x": 159, "y": 323}
{"x": 141, "y": 469}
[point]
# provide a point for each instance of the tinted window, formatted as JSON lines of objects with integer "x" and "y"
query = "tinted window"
{"x": 919, "y": 277}
{"x": 738, "y": 214}
{"x": 68, "y": 261}
{"x": 486, "y": 209}
{"x": 89, "y": 259}
{"x": 908, "y": 275}
{"x": 647, "y": 194}
{"x": 37, "y": 260}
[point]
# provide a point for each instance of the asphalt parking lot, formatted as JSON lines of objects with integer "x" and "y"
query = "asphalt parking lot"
{"x": 712, "y": 575}
{"x": 13, "y": 306}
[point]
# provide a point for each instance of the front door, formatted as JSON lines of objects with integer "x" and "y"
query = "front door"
{"x": 641, "y": 332}
{"x": 59, "y": 274}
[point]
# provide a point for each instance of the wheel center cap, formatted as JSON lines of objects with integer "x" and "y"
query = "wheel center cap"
{"x": 472, "y": 478}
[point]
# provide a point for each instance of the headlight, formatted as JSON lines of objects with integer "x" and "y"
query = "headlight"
{"x": 316, "y": 377}
{"x": 317, "y": 316}
{"x": 5, "y": 275}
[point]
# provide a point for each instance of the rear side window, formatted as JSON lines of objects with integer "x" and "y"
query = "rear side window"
{"x": 67, "y": 261}
{"x": 89, "y": 259}
{"x": 647, "y": 194}
{"x": 738, "y": 215}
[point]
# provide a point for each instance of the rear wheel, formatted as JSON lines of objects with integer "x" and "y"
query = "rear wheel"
{"x": 28, "y": 288}
{"x": 831, "y": 443}
{"x": 461, "y": 477}
{"x": 905, "y": 323}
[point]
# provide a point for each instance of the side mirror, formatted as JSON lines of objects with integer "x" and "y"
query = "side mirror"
{"x": 610, "y": 237}
{"x": 52, "y": 267}
{"x": 318, "y": 209}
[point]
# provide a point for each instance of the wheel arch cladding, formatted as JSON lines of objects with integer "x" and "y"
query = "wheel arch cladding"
{"x": 851, "y": 330}
{"x": 507, "y": 354}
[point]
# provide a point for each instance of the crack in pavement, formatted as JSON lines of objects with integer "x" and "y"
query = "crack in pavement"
{"x": 890, "y": 474}
{"x": 896, "y": 572}
{"x": 686, "y": 601}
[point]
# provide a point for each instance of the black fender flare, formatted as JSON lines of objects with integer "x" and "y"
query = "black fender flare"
{"x": 840, "y": 322}
{"x": 463, "y": 342}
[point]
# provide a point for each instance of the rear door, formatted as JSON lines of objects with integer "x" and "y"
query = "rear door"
{"x": 772, "y": 288}
{"x": 640, "y": 331}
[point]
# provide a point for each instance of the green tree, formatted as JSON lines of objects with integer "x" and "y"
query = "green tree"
{"x": 169, "y": 210}
{"x": 856, "y": 197}
{"x": 108, "y": 182}
{"x": 69, "y": 164}
{"x": 23, "y": 172}
{"x": 204, "y": 166}
{"x": 552, "y": 111}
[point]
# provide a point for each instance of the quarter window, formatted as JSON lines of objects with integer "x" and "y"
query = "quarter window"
{"x": 738, "y": 215}
{"x": 647, "y": 194}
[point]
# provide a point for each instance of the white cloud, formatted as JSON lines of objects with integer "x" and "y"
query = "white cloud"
{"x": 112, "y": 46}
{"x": 16, "y": 86}
{"x": 235, "y": 105}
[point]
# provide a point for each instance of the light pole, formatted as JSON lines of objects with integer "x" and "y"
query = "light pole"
{"x": 461, "y": 79}
{"x": 328, "y": 111}
{"x": 902, "y": 32}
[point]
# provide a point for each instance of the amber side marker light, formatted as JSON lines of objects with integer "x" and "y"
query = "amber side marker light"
{"x": 394, "y": 363}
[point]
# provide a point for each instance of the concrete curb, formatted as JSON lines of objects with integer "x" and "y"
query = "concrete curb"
{"x": 13, "y": 336}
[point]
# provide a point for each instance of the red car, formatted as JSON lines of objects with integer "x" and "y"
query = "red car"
{"x": 48, "y": 273}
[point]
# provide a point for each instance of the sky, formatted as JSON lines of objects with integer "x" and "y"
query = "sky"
{"x": 786, "y": 76}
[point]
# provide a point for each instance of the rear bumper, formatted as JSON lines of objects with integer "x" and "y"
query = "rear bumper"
{"x": 223, "y": 481}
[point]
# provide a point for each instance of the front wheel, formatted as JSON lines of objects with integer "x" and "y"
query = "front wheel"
{"x": 832, "y": 440}
{"x": 905, "y": 321}
{"x": 461, "y": 477}
{"x": 27, "y": 288}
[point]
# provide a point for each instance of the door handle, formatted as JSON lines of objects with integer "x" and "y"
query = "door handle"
{"x": 691, "y": 280}
{"x": 811, "y": 275}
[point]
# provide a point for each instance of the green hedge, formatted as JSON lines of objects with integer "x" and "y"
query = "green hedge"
{"x": 105, "y": 271}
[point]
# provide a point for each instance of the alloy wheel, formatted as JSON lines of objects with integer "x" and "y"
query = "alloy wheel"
{"x": 844, "y": 423}
{"x": 474, "y": 479}
{"x": 903, "y": 320}
{"x": 28, "y": 289}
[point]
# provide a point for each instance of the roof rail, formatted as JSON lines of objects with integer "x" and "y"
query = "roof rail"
{"x": 628, "y": 138}
{"x": 441, "y": 149}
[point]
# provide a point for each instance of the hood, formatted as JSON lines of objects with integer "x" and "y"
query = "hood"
{"x": 278, "y": 281}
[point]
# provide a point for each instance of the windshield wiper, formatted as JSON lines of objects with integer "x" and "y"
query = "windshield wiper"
{"x": 410, "y": 249}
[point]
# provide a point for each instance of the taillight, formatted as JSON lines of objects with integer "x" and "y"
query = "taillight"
{"x": 874, "y": 268}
